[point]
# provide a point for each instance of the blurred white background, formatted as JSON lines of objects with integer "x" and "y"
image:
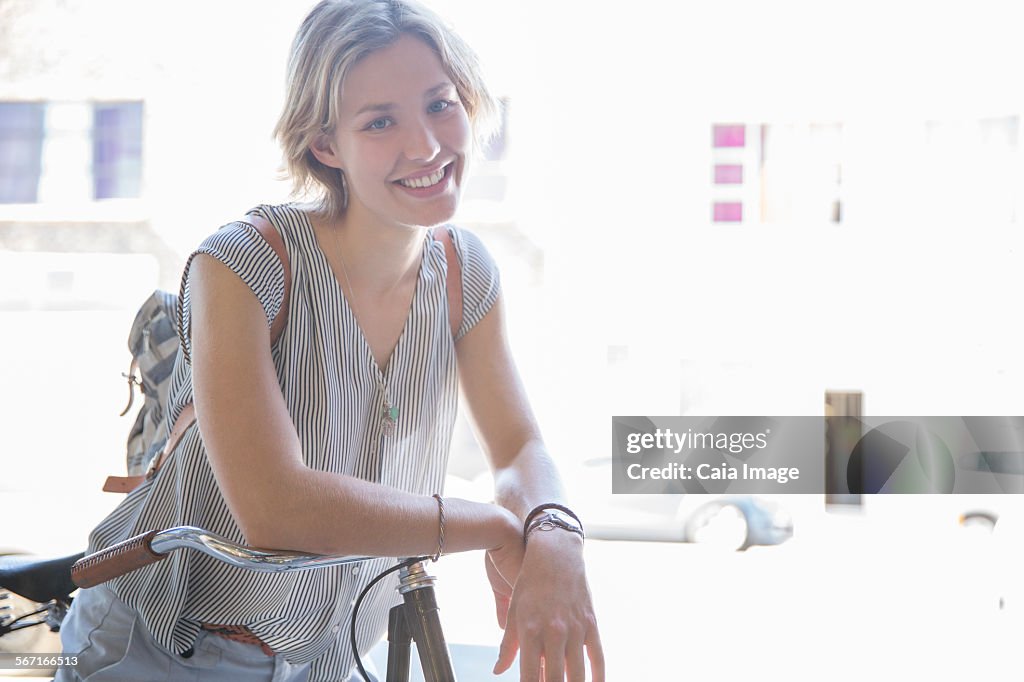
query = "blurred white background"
{"x": 878, "y": 250}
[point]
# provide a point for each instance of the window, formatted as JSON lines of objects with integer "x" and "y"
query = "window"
{"x": 21, "y": 150}
{"x": 54, "y": 152}
{"x": 496, "y": 146}
{"x": 116, "y": 150}
{"x": 730, "y": 152}
{"x": 488, "y": 185}
{"x": 955, "y": 171}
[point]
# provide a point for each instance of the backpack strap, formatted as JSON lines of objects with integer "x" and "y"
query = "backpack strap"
{"x": 272, "y": 237}
{"x": 187, "y": 416}
{"x": 453, "y": 281}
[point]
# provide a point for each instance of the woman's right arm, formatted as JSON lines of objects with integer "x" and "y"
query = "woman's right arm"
{"x": 254, "y": 451}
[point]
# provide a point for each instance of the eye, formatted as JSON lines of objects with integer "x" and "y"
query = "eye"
{"x": 439, "y": 106}
{"x": 379, "y": 123}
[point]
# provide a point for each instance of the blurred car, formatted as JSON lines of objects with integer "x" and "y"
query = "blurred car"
{"x": 739, "y": 522}
{"x": 734, "y": 522}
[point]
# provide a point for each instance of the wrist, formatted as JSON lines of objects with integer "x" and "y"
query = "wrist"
{"x": 507, "y": 528}
{"x": 552, "y": 517}
{"x": 474, "y": 525}
{"x": 557, "y": 545}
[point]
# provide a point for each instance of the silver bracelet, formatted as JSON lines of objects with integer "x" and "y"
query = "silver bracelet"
{"x": 551, "y": 520}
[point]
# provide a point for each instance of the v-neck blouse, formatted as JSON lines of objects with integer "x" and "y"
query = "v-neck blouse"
{"x": 330, "y": 383}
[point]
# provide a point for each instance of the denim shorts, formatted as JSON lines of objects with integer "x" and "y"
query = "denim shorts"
{"x": 112, "y": 644}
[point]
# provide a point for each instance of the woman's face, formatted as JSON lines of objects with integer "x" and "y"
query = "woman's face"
{"x": 402, "y": 137}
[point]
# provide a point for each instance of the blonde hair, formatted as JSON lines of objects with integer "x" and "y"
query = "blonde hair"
{"x": 333, "y": 37}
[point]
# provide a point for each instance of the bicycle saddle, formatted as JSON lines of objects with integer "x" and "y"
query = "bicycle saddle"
{"x": 37, "y": 578}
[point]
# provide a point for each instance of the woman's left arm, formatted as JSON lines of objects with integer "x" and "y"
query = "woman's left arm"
{"x": 547, "y": 615}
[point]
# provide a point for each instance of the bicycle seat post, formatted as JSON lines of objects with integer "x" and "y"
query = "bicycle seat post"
{"x": 420, "y": 607}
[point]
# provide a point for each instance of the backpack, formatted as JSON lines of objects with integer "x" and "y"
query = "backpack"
{"x": 154, "y": 343}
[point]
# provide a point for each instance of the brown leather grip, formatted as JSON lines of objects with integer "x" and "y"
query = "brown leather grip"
{"x": 115, "y": 561}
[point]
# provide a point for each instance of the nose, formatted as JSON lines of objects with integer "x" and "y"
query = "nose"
{"x": 421, "y": 142}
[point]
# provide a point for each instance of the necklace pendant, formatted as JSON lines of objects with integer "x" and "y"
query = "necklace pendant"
{"x": 389, "y": 417}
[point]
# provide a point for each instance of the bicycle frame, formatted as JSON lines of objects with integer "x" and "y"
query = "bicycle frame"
{"x": 417, "y": 617}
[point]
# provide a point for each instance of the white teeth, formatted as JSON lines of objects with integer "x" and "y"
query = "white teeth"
{"x": 426, "y": 181}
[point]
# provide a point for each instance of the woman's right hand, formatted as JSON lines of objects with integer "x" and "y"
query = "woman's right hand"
{"x": 502, "y": 564}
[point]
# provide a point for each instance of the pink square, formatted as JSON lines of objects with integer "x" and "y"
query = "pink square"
{"x": 728, "y": 174}
{"x": 728, "y": 211}
{"x": 728, "y": 135}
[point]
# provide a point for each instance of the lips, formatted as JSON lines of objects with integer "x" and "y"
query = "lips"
{"x": 423, "y": 181}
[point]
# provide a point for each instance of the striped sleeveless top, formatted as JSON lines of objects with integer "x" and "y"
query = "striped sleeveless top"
{"x": 331, "y": 385}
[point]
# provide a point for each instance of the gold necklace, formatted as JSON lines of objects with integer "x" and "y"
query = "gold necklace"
{"x": 389, "y": 412}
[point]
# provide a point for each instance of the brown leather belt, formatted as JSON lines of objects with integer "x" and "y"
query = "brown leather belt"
{"x": 237, "y": 633}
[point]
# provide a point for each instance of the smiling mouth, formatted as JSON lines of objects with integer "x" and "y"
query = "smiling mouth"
{"x": 426, "y": 180}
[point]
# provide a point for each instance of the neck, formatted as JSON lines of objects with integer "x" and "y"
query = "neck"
{"x": 378, "y": 258}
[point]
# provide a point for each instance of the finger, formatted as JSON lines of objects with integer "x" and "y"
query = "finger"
{"x": 554, "y": 662}
{"x": 595, "y": 652}
{"x": 507, "y": 650}
{"x": 501, "y": 604}
{"x": 530, "y": 664}
{"x": 497, "y": 580}
{"x": 575, "y": 668}
{"x": 502, "y": 592}
{"x": 556, "y": 636}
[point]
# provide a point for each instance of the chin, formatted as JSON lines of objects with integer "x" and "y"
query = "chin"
{"x": 433, "y": 216}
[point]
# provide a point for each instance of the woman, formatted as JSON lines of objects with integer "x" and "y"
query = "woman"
{"x": 334, "y": 439}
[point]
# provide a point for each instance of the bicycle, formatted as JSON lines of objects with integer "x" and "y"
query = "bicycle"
{"x": 34, "y": 592}
{"x": 416, "y": 619}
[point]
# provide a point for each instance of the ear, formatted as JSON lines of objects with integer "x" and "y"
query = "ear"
{"x": 323, "y": 149}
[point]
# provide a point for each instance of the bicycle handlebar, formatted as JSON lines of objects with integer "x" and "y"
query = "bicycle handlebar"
{"x": 419, "y": 607}
{"x": 155, "y": 545}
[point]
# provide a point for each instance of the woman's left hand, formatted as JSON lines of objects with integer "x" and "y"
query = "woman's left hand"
{"x": 550, "y": 617}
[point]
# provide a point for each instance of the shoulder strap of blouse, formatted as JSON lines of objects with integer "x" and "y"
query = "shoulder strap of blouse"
{"x": 453, "y": 281}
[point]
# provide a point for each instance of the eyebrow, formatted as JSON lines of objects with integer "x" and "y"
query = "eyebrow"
{"x": 386, "y": 107}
